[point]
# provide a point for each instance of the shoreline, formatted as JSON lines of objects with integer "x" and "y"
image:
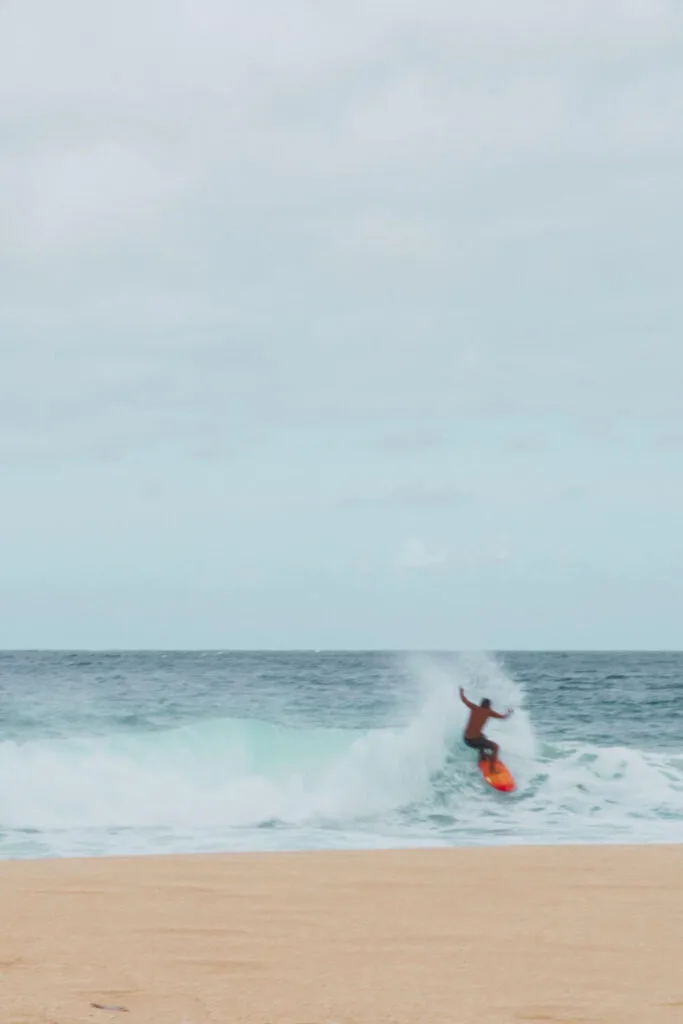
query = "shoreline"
{"x": 435, "y": 935}
{"x": 628, "y": 844}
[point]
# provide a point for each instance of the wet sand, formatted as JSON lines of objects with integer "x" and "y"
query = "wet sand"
{"x": 490, "y": 935}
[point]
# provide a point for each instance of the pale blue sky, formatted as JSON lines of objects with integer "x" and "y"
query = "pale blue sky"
{"x": 332, "y": 326}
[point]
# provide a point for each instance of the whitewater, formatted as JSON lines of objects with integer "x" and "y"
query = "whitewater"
{"x": 147, "y": 752}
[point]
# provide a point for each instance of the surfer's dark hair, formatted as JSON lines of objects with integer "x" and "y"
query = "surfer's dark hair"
{"x": 485, "y": 703}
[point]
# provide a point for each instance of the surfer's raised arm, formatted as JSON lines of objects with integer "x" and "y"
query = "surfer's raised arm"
{"x": 464, "y": 699}
{"x": 496, "y": 714}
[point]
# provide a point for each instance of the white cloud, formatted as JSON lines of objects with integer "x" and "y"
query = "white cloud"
{"x": 415, "y": 553}
{"x": 416, "y": 494}
{"x": 71, "y": 198}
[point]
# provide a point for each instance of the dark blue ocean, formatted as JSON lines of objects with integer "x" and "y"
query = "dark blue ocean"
{"x": 149, "y": 752}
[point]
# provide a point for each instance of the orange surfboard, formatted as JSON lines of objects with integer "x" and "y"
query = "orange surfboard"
{"x": 499, "y": 778}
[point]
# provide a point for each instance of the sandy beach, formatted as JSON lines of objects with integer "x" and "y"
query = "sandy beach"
{"x": 461, "y": 935}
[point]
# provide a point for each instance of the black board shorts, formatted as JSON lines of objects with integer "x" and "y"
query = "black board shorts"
{"x": 480, "y": 743}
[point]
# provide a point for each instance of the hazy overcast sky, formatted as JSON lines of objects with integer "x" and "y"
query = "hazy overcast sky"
{"x": 341, "y": 324}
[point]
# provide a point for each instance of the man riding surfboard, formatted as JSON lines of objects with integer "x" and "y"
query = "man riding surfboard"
{"x": 479, "y": 716}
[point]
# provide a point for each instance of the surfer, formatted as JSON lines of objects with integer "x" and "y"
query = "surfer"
{"x": 479, "y": 716}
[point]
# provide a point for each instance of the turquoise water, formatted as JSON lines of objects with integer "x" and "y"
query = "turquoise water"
{"x": 109, "y": 753}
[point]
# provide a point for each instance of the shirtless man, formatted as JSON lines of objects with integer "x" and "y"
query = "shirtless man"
{"x": 474, "y": 737}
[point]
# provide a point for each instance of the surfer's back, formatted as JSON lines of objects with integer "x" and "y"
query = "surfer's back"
{"x": 478, "y": 719}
